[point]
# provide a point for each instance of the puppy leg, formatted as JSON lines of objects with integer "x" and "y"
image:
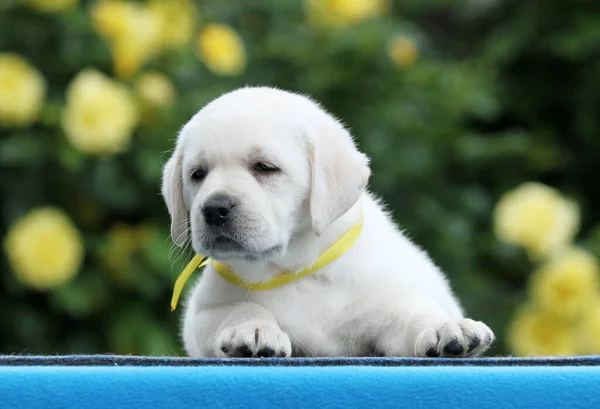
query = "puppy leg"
{"x": 421, "y": 328}
{"x": 238, "y": 330}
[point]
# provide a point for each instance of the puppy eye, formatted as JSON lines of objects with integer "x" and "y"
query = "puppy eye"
{"x": 263, "y": 167}
{"x": 198, "y": 175}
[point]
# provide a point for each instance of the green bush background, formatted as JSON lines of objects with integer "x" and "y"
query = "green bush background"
{"x": 502, "y": 92}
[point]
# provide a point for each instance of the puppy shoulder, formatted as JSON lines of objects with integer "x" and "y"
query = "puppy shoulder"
{"x": 387, "y": 250}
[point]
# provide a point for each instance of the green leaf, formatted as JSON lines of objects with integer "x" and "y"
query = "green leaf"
{"x": 88, "y": 294}
{"x": 23, "y": 148}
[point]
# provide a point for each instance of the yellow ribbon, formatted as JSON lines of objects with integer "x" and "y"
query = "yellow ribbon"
{"x": 197, "y": 262}
{"x": 330, "y": 255}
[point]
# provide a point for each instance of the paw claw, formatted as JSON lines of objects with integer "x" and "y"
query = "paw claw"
{"x": 453, "y": 348}
{"x": 432, "y": 353}
{"x": 226, "y": 347}
{"x": 244, "y": 351}
{"x": 475, "y": 342}
{"x": 266, "y": 353}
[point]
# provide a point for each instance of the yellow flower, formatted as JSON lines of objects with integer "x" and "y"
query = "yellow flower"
{"x": 403, "y": 51}
{"x": 133, "y": 32}
{"x": 129, "y": 56}
{"x": 339, "y": 13}
{"x": 51, "y": 5}
{"x": 566, "y": 284}
{"x": 100, "y": 114}
{"x": 535, "y": 333}
{"x": 222, "y": 50}
{"x": 155, "y": 90}
{"x": 110, "y": 17}
{"x": 537, "y": 218}
{"x": 589, "y": 330}
{"x": 44, "y": 249}
{"x": 22, "y": 91}
{"x": 177, "y": 19}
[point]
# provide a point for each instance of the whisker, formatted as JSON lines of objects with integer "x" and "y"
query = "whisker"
{"x": 181, "y": 251}
{"x": 177, "y": 253}
{"x": 163, "y": 153}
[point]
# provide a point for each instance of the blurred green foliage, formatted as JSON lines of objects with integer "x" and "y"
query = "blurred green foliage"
{"x": 503, "y": 91}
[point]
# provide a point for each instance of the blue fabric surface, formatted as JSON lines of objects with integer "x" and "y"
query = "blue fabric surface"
{"x": 302, "y": 387}
{"x": 114, "y": 382}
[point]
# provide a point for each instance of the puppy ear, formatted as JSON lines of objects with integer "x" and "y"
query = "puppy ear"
{"x": 339, "y": 173}
{"x": 172, "y": 191}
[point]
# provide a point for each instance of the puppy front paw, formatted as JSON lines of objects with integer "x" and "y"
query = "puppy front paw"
{"x": 253, "y": 339}
{"x": 462, "y": 338}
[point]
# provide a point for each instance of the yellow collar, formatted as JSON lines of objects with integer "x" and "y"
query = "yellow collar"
{"x": 338, "y": 249}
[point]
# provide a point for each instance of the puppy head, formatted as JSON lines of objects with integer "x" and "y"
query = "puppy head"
{"x": 256, "y": 166}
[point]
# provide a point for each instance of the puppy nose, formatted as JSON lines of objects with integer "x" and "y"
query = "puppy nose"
{"x": 216, "y": 209}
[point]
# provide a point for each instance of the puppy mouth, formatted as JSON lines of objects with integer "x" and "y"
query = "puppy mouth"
{"x": 224, "y": 243}
{"x": 224, "y": 247}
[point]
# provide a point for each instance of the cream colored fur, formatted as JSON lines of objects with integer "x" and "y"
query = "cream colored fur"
{"x": 384, "y": 296}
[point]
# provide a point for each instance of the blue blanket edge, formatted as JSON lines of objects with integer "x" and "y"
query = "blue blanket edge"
{"x": 120, "y": 360}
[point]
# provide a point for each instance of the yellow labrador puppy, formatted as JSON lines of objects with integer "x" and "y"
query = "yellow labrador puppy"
{"x": 305, "y": 262}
